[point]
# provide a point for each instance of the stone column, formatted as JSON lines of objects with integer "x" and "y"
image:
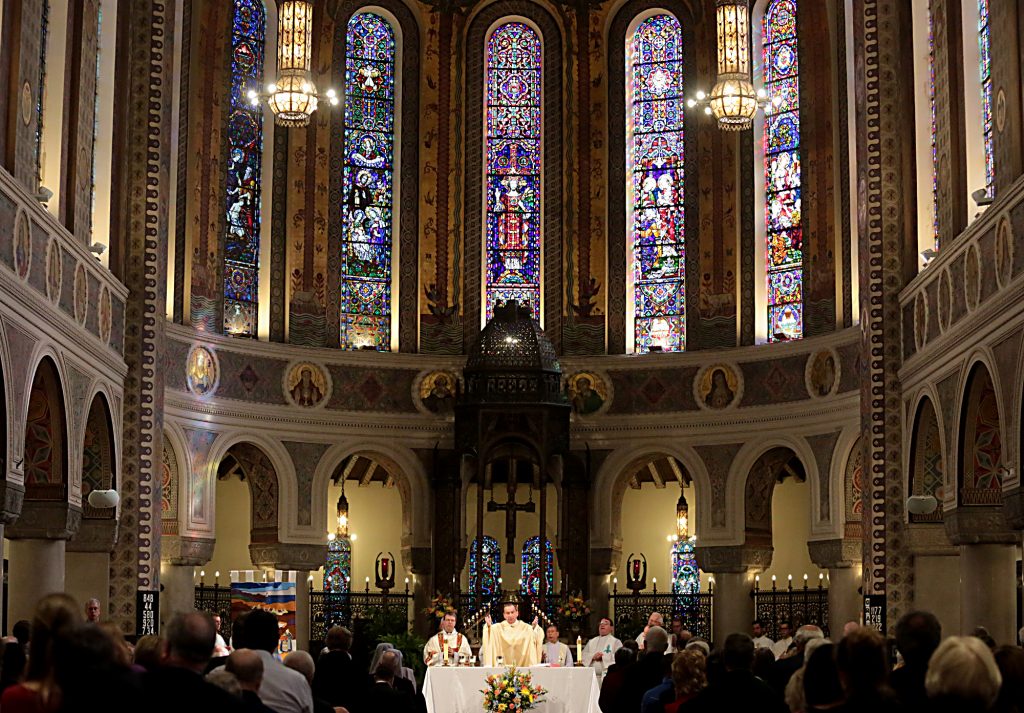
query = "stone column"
{"x": 36, "y": 569}
{"x": 604, "y": 564}
{"x": 417, "y": 563}
{"x": 845, "y": 600}
{"x": 302, "y": 610}
{"x": 988, "y": 590}
{"x": 733, "y": 607}
{"x": 178, "y": 590}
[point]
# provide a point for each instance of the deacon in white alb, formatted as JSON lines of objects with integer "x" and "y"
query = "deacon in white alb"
{"x": 433, "y": 652}
{"x": 600, "y": 650}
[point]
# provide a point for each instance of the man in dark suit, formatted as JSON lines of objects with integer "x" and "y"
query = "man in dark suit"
{"x": 646, "y": 673}
{"x": 382, "y": 696}
{"x": 918, "y": 634}
{"x": 785, "y": 667}
{"x": 738, "y": 688}
{"x": 337, "y": 679}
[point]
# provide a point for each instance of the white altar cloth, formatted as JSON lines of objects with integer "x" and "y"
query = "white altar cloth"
{"x": 456, "y": 689}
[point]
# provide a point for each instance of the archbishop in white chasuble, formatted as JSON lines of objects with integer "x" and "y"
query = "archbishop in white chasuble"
{"x": 516, "y": 642}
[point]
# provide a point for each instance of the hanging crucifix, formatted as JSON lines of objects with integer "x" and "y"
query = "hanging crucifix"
{"x": 511, "y": 507}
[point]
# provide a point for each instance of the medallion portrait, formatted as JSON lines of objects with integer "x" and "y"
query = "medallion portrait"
{"x": 717, "y": 387}
{"x": 201, "y": 371}
{"x": 306, "y": 385}
{"x": 588, "y": 392}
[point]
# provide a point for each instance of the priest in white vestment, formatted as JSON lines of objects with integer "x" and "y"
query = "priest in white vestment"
{"x": 655, "y": 619}
{"x": 458, "y": 645}
{"x": 516, "y": 642}
{"x": 555, "y": 653}
{"x": 600, "y": 650}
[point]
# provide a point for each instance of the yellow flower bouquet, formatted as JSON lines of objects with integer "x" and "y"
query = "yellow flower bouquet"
{"x": 511, "y": 692}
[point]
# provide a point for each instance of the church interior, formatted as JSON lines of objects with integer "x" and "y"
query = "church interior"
{"x": 401, "y": 306}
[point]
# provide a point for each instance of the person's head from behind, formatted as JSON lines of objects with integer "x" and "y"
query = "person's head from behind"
{"x": 764, "y": 662}
{"x": 189, "y": 641}
{"x": 963, "y": 673}
{"x": 980, "y": 632}
{"x": 261, "y": 631}
{"x": 1010, "y": 660}
{"x": 302, "y": 662}
{"x": 689, "y": 672}
{"x": 625, "y": 656}
{"x": 656, "y": 641}
{"x": 92, "y": 610}
{"x": 224, "y": 679}
{"x": 247, "y": 666}
{"x": 22, "y": 631}
{"x": 806, "y": 633}
{"x": 822, "y": 687}
{"x": 55, "y": 614}
{"x": 738, "y": 652}
{"x": 123, "y": 649}
{"x": 862, "y": 661}
{"x": 338, "y": 639}
{"x": 918, "y": 634}
{"x": 632, "y": 644}
{"x": 387, "y": 667}
{"x": 511, "y": 612}
{"x": 148, "y": 650}
{"x": 12, "y": 665}
{"x": 85, "y": 658}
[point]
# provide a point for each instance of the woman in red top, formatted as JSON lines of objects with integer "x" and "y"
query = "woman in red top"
{"x": 689, "y": 676}
{"x": 55, "y": 614}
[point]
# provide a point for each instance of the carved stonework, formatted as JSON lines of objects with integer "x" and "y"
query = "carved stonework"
{"x": 837, "y": 553}
{"x": 43, "y": 520}
{"x": 979, "y": 525}
{"x": 1013, "y": 508}
{"x": 417, "y": 560}
{"x": 735, "y": 558}
{"x": 94, "y": 536}
{"x": 186, "y": 551}
{"x": 13, "y": 497}
{"x": 288, "y": 556}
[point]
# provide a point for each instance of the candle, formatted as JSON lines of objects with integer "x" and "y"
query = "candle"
{"x": 445, "y": 653}
{"x": 579, "y": 650}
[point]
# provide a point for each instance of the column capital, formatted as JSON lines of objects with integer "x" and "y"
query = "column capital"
{"x": 94, "y": 535}
{"x": 1013, "y": 508}
{"x": 979, "y": 525}
{"x": 12, "y": 499}
{"x": 838, "y": 553}
{"x": 605, "y": 560}
{"x": 287, "y": 555}
{"x": 734, "y": 559}
{"x": 46, "y": 520}
{"x": 416, "y": 559}
{"x": 186, "y": 551}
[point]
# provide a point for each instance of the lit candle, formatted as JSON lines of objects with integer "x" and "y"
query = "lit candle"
{"x": 579, "y": 650}
{"x": 445, "y": 653}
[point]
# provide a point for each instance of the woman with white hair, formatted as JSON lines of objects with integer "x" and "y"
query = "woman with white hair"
{"x": 962, "y": 676}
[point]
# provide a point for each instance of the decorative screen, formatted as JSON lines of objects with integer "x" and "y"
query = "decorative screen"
{"x": 245, "y": 158}
{"x": 338, "y": 567}
{"x": 655, "y": 145}
{"x": 513, "y": 160}
{"x": 367, "y": 215}
{"x": 782, "y": 173}
{"x": 531, "y": 566}
{"x": 485, "y": 571}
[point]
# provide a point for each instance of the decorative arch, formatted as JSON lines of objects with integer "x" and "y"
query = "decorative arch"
{"x": 619, "y": 213}
{"x": 550, "y": 34}
{"x": 46, "y": 452}
{"x": 99, "y": 460}
{"x": 403, "y": 329}
{"x": 170, "y": 482}
{"x": 771, "y": 468}
{"x": 853, "y": 488}
{"x": 980, "y": 476}
{"x": 927, "y": 465}
{"x": 250, "y": 464}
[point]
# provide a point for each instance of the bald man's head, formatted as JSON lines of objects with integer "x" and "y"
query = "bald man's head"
{"x": 302, "y": 662}
{"x": 247, "y": 667}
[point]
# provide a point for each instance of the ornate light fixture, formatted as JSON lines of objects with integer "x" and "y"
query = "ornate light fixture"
{"x": 342, "y": 513}
{"x": 733, "y": 100}
{"x": 682, "y": 516}
{"x": 293, "y": 97}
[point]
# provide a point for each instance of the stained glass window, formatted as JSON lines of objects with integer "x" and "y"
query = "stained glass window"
{"x": 513, "y": 130}
{"x": 934, "y": 132}
{"x": 984, "y": 50}
{"x": 487, "y": 569}
{"x": 245, "y": 157}
{"x": 338, "y": 567}
{"x": 44, "y": 37}
{"x": 368, "y": 183}
{"x": 531, "y": 566}
{"x": 685, "y": 575}
{"x": 655, "y": 141}
{"x": 782, "y": 173}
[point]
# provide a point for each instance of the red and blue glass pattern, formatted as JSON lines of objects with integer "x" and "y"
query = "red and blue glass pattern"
{"x": 658, "y": 187}
{"x": 485, "y": 567}
{"x": 782, "y": 173}
{"x": 513, "y": 130}
{"x": 368, "y": 183}
{"x": 531, "y": 566}
{"x": 685, "y": 574}
{"x": 245, "y": 158}
{"x": 338, "y": 567}
{"x": 985, "y": 63}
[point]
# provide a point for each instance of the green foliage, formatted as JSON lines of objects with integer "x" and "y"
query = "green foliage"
{"x": 411, "y": 647}
{"x": 389, "y": 625}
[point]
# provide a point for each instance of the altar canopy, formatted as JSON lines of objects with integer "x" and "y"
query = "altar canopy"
{"x": 459, "y": 690}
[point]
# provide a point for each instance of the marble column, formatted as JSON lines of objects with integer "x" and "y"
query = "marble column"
{"x": 302, "y": 611}
{"x": 87, "y": 576}
{"x": 733, "y": 606}
{"x": 178, "y": 590}
{"x": 845, "y": 600}
{"x": 988, "y": 590}
{"x": 36, "y": 569}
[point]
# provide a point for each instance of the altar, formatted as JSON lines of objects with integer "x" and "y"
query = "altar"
{"x": 456, "y": 689}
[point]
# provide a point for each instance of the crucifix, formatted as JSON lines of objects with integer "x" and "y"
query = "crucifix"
{"x": 511, "y": 507}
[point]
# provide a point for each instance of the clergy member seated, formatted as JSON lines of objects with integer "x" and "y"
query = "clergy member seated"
{"x": 600, "y": 650}
{"x": 515, "y": 642}
{"x": 555, "y": 653}
{"x": 457, "y": 644}
{"x": 655, "y": 619}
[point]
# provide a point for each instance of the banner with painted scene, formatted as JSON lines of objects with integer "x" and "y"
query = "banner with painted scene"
{"x": 276, "y": 597}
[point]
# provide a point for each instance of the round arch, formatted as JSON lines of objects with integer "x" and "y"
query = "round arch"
{"x": 926, "y": 472}
{"x": 99, "y": 457}
{"x": 979, "y": 453}
{"x": 46, "y": 453}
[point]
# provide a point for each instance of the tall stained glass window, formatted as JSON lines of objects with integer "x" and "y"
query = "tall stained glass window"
{"x": 685, "y": 575}
{"x": 338, "y": 567}
{"x": 485, "y": 569}
{"x": 245, "y": 157}
{"x": 985, "y": 55}
{"x": 368, "y": 183}
{"x": 934, "y": 131}
{"x": 782, "y": 173}
{"x": 513, "y": 130}
{"x": 655, "y": 151}
{"x": 531, "y": 566}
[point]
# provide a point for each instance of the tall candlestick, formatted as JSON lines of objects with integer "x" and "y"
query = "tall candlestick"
{"x": 445, "y": 653}
{"x": 579, "y": 650}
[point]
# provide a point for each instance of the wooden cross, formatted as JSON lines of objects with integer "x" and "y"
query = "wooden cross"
{"x": 511, "y": 507}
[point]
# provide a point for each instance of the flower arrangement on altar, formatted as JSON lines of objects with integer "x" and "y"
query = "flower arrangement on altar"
{"x": 438, "y": 606}
{"x": 575, "y": 609}
{"x": 511, "y": 692}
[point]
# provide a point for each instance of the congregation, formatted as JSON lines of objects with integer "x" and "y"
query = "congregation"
{"x": 62, "y": 661}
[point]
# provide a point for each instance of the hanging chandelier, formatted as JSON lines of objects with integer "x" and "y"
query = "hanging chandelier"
{"x": 293, "y": 97}
{"x": 733, "y": 101}
{"x": 342, "y": 512}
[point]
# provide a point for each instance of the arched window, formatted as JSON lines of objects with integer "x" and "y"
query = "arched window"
{"x": 368, "y": 183}
{"x": 924, "y": 106}
{"x": 245, "y": 157}
{"x": 654, "y": 150}
{"x": 685, "y": 575}
{"x": 44, "y": 37}
{"x": 512, "y": 125}
{"x": 484, "y": 571}
{"x": 338, "y": 567}
{"x": 531, "y": 566}
{"x": 985, "y": 66}
{"x": 783, "y": 227}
